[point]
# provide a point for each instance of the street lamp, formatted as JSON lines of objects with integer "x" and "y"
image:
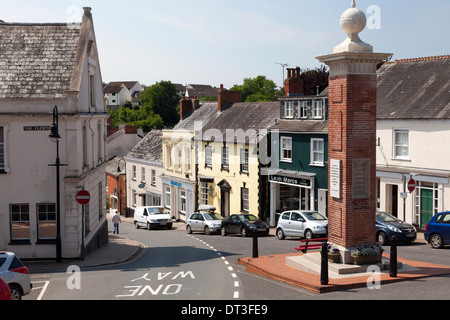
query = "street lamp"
{"x": 55, "y": 137}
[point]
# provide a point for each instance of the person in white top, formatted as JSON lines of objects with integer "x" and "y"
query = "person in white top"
{"x": 116, "y": 221}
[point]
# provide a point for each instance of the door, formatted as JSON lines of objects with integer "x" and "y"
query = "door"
{"x": 225, "y": 203}
{"x": 426, "y": 206}
{"x": 394, "y": 197}
{"x": 297, "y": 224}
{"x": 445, "y": 228}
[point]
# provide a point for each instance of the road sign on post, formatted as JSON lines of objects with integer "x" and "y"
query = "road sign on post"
{"x": 83, "y": 197}
{"x": 411, "y": 185}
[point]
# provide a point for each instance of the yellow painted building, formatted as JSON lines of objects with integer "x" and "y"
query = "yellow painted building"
{"x": 228, "y": 164}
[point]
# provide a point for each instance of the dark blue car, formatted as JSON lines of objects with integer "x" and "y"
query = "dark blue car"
{"x": 389, "y": 226}
{"x": 437, "y": 231}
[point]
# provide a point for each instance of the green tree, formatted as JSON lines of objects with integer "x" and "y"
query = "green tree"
{"x": 161, "y": 99}
{"x": 257, "y": 89}
{"x": 313, "y": 78}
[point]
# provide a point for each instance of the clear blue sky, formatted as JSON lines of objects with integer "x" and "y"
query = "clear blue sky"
{"x": 224, "y": 41}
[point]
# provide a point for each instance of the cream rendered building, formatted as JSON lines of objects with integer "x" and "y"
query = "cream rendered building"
{"x": 230, "y": 175}
{"x": 413, "y": 128}
{"x": 179, "y": 179}
{"x": 43, "y": 65}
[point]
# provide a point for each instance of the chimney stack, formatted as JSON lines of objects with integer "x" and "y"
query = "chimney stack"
{"x": 185, "y": 107}
{"x": 226, "y": 96}
{"x": 293, "y": 85}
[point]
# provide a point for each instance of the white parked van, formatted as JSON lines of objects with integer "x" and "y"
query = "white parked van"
{"x": 152, "y": 217}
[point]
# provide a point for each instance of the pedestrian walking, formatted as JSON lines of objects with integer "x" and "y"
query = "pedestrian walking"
{"x": 116, "y": 220}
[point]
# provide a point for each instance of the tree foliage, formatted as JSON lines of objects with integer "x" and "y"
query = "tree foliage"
{"x": 159, "y": 108}
{"x": 257, "y": 89}
{"x": 313, "y": 78}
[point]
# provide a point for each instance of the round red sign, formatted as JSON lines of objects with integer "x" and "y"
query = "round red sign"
{"x": 411, "y": 185}
{"x": 83, "y": 197}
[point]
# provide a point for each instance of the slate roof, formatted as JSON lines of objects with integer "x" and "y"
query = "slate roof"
{"x": 149, "y": 148}
{"x": 414, "y": 89}
{"x": 250, "y": 117}
{"x": 202, "y": 114}
{"x": 301, "y": 126}
{"x": 37, "y": 60}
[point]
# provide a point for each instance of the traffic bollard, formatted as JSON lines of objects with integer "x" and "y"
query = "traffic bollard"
{"x": 393, "y": 258}
{"x": 255, "y": 245}
{"x": 324, "y": 265}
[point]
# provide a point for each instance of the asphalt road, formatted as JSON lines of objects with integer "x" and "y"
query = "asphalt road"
{"x": 177, "y": 266}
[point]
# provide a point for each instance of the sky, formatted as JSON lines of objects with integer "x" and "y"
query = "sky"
{"x": 224, "y": 41}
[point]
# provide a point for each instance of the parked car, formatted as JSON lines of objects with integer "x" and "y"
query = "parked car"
{"x": 15, "y": 274}
{"x": 244, "y": 224}
{"x": 206, "y": 220}
{"x": 302, "y": 223}
{"x": 437, "y": 231}
{"x": 388, "y": 226}
{"x": 152, "y": 217}
{"x": 5, "y": 292}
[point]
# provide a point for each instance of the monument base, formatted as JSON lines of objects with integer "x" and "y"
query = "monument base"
{"x": 311, "y": 263}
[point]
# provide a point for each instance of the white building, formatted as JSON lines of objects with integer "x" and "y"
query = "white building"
{"x": 119, "y": 93}
{"x": 43, "y": 65}
{"x": 413, "y": 129}
{"x": 144, "y": 168}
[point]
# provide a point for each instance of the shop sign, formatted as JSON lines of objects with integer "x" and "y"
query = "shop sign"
{"x": 289, "y": 180}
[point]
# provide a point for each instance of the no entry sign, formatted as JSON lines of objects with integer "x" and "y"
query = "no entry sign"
{"x": 411, "y": 185}
{"x": 83, "y": 197}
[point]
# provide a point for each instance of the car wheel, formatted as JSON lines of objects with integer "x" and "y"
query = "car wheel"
{"x": 16, "y": 293}
{"x": 436, "y": 241}
{"x": 149, "y": 226}
{"x": 207, "y": 230}
{"x": 137, "y": 224}
{"x": 243, "y": 232}
{"x": 280, "y": 234}
{"x": 308, "y": 234}
{"x": 382, "y": 238}
{"x": 223, "y": 231}
{"x": 188, "y": 230}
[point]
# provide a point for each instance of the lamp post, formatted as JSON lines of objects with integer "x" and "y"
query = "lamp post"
{"x": 55, "y": 137}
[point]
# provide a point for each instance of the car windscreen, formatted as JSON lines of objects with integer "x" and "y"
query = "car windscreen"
{"x": 314, "y": 216}
{"x": 212, "y": 216}
{"x": 157, "y": 211}
{"x": 386, "y": 217}
{"x": 247, "y": 217}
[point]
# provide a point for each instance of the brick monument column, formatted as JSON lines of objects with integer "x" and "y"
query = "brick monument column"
{"x": 352, "y": 137}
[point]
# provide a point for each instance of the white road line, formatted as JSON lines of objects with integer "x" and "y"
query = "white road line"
{"x": 44, "y": 288}
{"x": 233, "y": 275}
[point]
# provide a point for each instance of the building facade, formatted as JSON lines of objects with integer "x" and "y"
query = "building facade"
{"x": 144, "y": 168}
{"x": 57, "y": 64}
{"x": 412, "y": 127}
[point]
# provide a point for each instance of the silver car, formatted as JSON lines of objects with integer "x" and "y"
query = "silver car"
{"x": 14, "y": 273}
{"x": 300, "y": 223}
{"x": 206, "y": 221}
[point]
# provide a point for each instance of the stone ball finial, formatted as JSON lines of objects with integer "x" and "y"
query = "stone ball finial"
{"x": 353, "y": 21}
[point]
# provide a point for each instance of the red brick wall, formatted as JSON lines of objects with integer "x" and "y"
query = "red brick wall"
{"x": 352, "y": 136}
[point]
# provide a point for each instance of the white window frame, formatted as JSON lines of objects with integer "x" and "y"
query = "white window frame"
{"x": 187, "y": 155}
{"x": 395, "y": 155}
{"x": 315, "y": 151}
{"x": 225, "y": 158}
{"x": 245, "y": 200}
{"x": 204, "y": 193}
{"x": 244, "y": 160}
{"x": 303, "y": 109}
{"x": 133, "y": 173}
{"x": 183, "y": 201}
{"x": 208, "y": 156}
{"x": 287, "y": 148}
{"x": 168, "y": 197}
{"x": 153, "y": 177}
{"x": 317, "y": 109}
{"x": 142, "y": 174}
{"x": 289, "y": 110}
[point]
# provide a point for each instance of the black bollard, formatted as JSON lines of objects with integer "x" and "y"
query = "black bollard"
{"x": 393, "y": 258}
{"x": 324, "y": 265}
{"x": 255, "y": 244}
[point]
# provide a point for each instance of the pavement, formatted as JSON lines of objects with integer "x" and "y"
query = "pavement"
{"x": 121, "y": 249}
